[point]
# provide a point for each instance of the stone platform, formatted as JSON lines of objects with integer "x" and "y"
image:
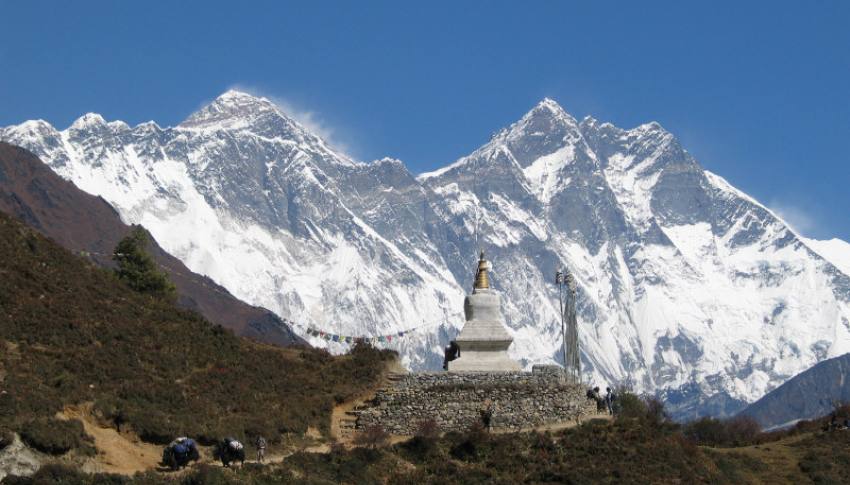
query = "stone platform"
{"x": 521, "y": 400}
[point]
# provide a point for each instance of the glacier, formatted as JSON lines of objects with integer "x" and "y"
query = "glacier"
{"x": 687, "y": 287}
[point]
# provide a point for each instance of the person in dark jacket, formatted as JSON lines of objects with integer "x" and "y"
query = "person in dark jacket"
{"x": 451, "y": 353}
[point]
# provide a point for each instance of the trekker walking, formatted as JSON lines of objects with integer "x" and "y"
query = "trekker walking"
{"x": 487, "y": 414}
{"x": 261, "y": 449}
{"x": 609, "y": 400}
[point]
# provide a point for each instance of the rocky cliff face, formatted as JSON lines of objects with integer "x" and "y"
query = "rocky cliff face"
{"x": 687, "y": 287}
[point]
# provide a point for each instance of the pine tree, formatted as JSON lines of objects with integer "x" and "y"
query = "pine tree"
{"x": 137, "y": 268}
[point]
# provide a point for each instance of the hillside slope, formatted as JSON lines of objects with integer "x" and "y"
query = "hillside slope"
{"x": 807, "y": 395}
{"x": 72, "y": 334}
{"x": 31, "y": 191}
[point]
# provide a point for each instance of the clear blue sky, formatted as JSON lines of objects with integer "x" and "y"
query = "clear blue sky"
{"x": 758, "y": 92}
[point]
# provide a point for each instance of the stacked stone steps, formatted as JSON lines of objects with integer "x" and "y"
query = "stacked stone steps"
{"x": 348, "y": 422}
{"x": 347, "y": 425}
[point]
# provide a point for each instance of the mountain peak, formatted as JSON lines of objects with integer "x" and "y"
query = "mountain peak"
{"x": 548, "y": 112}
{"x": 232, "y": 108}
{"x": 88, "y": 120}
{"x": 550, "y": 104}
{"x": 550, "y": 107}
{"x": 649, "y": 128}
{"x": 236, "y": 96}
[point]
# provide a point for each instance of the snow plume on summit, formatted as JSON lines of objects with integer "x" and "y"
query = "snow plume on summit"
{"x": 311, "y": 120}
{"x": 687, "y": 287}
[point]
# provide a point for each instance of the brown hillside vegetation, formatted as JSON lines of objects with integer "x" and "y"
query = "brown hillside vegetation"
{"x": 71, "y": 333}
{"x": 626, "y": 450}
{"x": 83, "y": 223}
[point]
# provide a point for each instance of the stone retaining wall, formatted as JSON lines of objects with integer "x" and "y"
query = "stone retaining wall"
{"x": 454, "y": 400}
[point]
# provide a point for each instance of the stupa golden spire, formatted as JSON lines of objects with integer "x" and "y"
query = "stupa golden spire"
{"x": 482, "y": 282}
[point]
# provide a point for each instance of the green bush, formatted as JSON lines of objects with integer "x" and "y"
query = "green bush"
{"x": 648, "y": 409}
{"x": 469, "y": 445}
{"x": 425, "y": 439}
{"x": 631, "y": 406}
{"x": 138, "y": 269}
{"x": 54, "y": 436}
{"x": 372, "y": 437}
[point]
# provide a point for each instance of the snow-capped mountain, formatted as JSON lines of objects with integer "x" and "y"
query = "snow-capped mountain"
{"x": 687, "y": 287}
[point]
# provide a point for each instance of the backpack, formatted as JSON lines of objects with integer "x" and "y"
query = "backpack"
{"x": 180, "y": 449}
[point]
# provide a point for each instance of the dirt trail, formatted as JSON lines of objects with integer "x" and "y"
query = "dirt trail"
{"x": 121, "y": 453}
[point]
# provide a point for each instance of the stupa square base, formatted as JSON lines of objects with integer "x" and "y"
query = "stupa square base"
{"x": 454, "y": 400}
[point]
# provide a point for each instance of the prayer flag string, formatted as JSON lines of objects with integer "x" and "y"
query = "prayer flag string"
{"x": 349, "y": 339}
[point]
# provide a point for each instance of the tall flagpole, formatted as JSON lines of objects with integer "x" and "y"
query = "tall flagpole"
{"x": 569, "y": 323}
{"x": 572, "y": 327}
{"x": 559, "y": 280}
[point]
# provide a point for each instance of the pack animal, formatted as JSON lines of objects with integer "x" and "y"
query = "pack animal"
{"x": 179, "y": 453}
{"x": 230, "y": 450}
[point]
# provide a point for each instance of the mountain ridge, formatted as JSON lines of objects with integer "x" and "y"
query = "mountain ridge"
{"x": 686, "y": 285}
{"x": 812, "y": 393}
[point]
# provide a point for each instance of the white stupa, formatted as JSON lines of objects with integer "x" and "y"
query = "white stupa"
{"x": 484, "y": 339}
